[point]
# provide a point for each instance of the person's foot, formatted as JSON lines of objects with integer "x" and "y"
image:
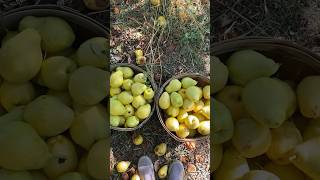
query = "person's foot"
{"x": 145, "y": 168}
{"x": 176, "y": 171}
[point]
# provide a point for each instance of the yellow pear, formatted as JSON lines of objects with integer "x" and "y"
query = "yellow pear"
{"x": 116, "y": 79}
{"x": 9, "y": 35}
{"x": 205, "y": 111}
{"x": 173, "y": 86}
{"x": 63, "y": 96}
{"x": 16, "y": 114}
{"x": 125, "y": 97}
{"x": 140, "y": 78}
{"x": 172, "y": 124}
{"x": 132, "y": 121}
{"x": 204, "y": 128}
{"x": 55, "y": 72}
{"x": 97, "y": 161}
{"x": 138, "y": 88}
{"x": 92, "y": 52}
{"x": 127, "y": 72}
{"x": 87, "y": 85}
{"x": 23, "y": 50}
{"x": 173, "y": 111}
{"x": 176, "y": 99}
{"x": 188, "y": 105}
{"x": 138, "y": 140}
{"x": 127, "y": 83}
{"x": 129, "y": 111}
{"x": 194, "y": 93}
{"x": 183, "y": 93}
{"x": 206, "y": 92}
{"x": 123, "y": 166}
{"x": 138, "y": 101}
{"x": 187, "y": 82}
{"x": 164, "y": 100}
{"x": 183, "y": 131}
{"x": 148, "y": 93}
{"x": 192, "y": 122}
{"x": 160, "y": 149}
{"x": 163, "y": 171}
{"x": 198, "y": 106}
{"x": 182, "y": 116}
{"x": 116, "y": 108}
{"x": 115, "y": 121}
{"x": 15, "y": 175}
{"x": 135, "y": 177}
{"x": 220, "y": 74}
{"x": 115, "y": 91}
{"x": 161, "y": 21}
{"x": 155, "y": 2}
{"x": 143, "y": 111}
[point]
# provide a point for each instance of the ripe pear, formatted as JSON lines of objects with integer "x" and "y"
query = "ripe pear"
{"x": 220, "y": 74}
{"x": 138, "y": 88}
{"x": 198, "y": 106}
{"x": 312, "y": 130}
{"x": 138, "y": 101}
{"x": 216, "y": 155}
{"x": 173, "y": 86}
{"x": 93, "y": 52}
{"x": 155, "y": 2}
{"x": 143, "y": 111}
{"x": 129, "y": 111}
{"x": 206, "y": 92}
{"x": 182, "y": 116}
{"x": 284, "y": 171}
{"x": 188, "y": 105}
{"x": 132, "y": 122}
{"x": 127, "y": 83}
{"x": 56, "y": 33}
{"x": 116, "y": 79}
{"x": 176, "y": 99}
{"x": 183, "y": 93}
{"x": 223, "y": 124}
{"x": 148, "y": 94}
{"x": 172, "y": 124}
{"x": 138, "y": 140}
{"x": 127, "y": 72}
{"x": 89, "y": 126}
{"x": 284, "y": 139}
{"x": 251, "y": 138}
{"x": 306, "y": 157}
{"x": 125, "y": 97}
{"x": 233, "y": 166}
{"x": 97, "y": 160}
{"x": 205, "y": 111}
{"x": 194, "y": 93}
{"x": 160, "y": 149}
{"x": 192, "y": 122}
{"x": 23, "y": 50}
{"x": 21, "y": 147}
{"x": 163, "y": 171}
{"x": 115, "y": 91}
{"x": 164, "y": 100}
{"x": 42, "y": 113}
{"x": 259, "y": 175}
{"x": 38, "y": 175}
{"x": 173, "y": 111}
{"x": 87, "y": 85}
{"x": 123, "y": 166}
{"x": 15, "y": 175}
{"x": 308, "y": 96}
{"x": 63, "y": 96}
{"x": 187, "y": 82}
{"x": 267, "y": 101}
{"x": 200, "y": 116}
{"x": 183, "y": 131}
{"x": 204, "y": 128}
{"x": 140, "y": 78}
{"x": 16, "y": 94}
{"x": 230, "y": 96}
{"x": 135, "y": 177}
{"x": 56, "y": 71}
{"x": 115, "y": 121}
{"x": 247, "y": 65}
{"x": 64, "y": 157}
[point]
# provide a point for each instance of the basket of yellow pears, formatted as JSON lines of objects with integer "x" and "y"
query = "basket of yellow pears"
{"x": 184, "y": 107}
{"x": 132, "y": 92}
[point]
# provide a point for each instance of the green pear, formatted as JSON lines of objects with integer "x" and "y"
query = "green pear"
{"x": 127, "y": 83}
{"x": 233, "y": 166}
{"x": 176, "y": 99}
{"x": 56, "y": 33}
{"x": 93, "y": 52}
{"x": 267, "y": 101}
{"x": 148, "y": 94}
{"x": 38, "y": 175}
{"x": 9, "y": 35}
{"x": 138, "y": 101}
{"x": 172, "y": 124}
{"x": 42, "y": 113}
{"x": 204, "y": 128}
{"x": 292, "y": 97}
{"x": 220, "y": 74}
{"x": 63, "y": 96}
{"x": 251, "y": 138}
{"x": 97, "y": 160}
{"x": 309, "y": 97}
{"x": 138, "y": 88}
{"x": 129, "y": 111}
{"x": 115, "y": 121}
{"x": 55, "y": 72}
{"x": 231, "y": 97}
{"x": 217, "y": 154}
{"x": 223, "y": 127}
{"x": 247, "y": 65}
{"x": 125, "y": 97}
{"x": 143, "y": 111}
{"x": 311, "y": 131}
{"x": 127, "y": 72}
{"x": 173, "y": 111}
{"x": 140, "y": 78}
{"x": 259, "y": 175}
{"x": 21, "y": 57}
{"x": 132, "y": 122}
{"x": 183, "y": 93}
{"x": 13, "y": 94}
{"x": 284, "y": 139}
{"x": 194, "y": 93}
{"x": 115, "y": 91}
{"x": 89, "y": 126}
{"x": 21, "y": 147}
{"x": 306, "y": 157}
{"x": 173, "y": 86}
{"x": 284, "y": 171}
{"x": 16, "y": 114}
{"x": 188, "y": 105}
{"x": 87, "y": 85}
{"x": 15, "y": 175}
{"x": 187, "y": 82}
{"x": 164, "y": 100}
{"x": 64, "y": 157}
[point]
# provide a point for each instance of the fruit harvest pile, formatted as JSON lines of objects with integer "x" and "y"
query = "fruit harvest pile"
{"x": 259, "y": 130}
{"x": 187, "y": 107}
{"x": 53, "y": 116}
{"x": 130, "y": 98}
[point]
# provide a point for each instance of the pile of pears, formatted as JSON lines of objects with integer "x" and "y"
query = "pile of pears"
{"x": 130, "y": 98}
{"x": 52, "y": 117}
{"x": 186, "y": 107}
{"x": 264, "y": 127}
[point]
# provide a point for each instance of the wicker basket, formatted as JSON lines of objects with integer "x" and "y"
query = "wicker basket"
{"x": 136, "y": 70}
{"x": 202, "y": 81}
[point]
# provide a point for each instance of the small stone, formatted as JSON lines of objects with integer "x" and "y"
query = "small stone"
{"x": 191, "y": 168}
{"x": 190, "y": 145}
